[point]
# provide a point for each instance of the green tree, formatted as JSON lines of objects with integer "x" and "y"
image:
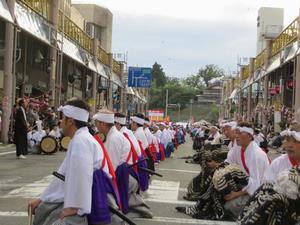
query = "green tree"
{"x": 158, "y": 75}
{"x": 194, "y": 82}
{"x": 210, "y": 72}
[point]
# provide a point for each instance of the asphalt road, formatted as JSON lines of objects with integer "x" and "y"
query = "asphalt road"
{"x": 21, "y": 180}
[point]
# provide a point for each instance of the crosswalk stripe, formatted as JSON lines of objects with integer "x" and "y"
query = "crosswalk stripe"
{"x": 7, "y": 153}
{"x": 30, "y": 190}
{"x": 167, "y": 220}
{"x": 183, "y": 171}
{"x": 171, "y": 220}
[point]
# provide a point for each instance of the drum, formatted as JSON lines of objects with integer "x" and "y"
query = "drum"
{"x": 64, "y": 143}
{"x": 49, "y": 145}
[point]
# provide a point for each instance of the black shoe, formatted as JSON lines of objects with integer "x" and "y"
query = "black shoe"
{"x": 180, "y": 209}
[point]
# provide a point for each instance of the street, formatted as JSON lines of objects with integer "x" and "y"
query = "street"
{"x": 21, "y": 180}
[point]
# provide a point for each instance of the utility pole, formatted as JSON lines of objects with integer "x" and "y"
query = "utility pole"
{"x": 167, "y": 96}
{"x": 178, "y": 105}
{"x": 191, "y": 108}
{"x": 8, "y": 74}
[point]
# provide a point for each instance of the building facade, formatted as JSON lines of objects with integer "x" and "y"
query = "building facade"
{"x": 53, "y": 50}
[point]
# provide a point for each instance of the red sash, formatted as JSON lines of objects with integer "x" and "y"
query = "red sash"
{"x": 152, "y": 151}
{"x": 142, "y": 149}
{"x": 109, "y": 164}
{"x": 132, "y": 153}
{"x": 244, "y": 160}
{"x": 293, "y": 162}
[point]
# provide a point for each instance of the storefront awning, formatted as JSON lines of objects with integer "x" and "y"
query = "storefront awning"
{"x": 71, "y": 50}
{"x": 92, "y": 65}
{"x": 289, "y": 52}
{"x": 233, "y": 94}
{"x": 274, "y": 64}
{"x": 116, "y": 79}
{"x": 258, "y": 74}
{"x": 144, "y": 99}
{"x": 101, "y": 70}
{"x": 129, "y": 91}
{"x": 4, "y": 11}
{"x": 137, "y": 95}
{"x": 33, "y": 23}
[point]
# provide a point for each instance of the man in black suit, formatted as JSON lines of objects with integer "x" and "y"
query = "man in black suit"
{"x": 21, "y": 129}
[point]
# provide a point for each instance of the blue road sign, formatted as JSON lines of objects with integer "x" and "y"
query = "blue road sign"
{"x": 139, "y": 77}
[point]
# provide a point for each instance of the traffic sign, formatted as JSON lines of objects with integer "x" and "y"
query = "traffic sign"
{"x": 139, "y": 77}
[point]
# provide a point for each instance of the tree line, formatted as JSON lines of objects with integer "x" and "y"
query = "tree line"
{"x": 181, "y": 91}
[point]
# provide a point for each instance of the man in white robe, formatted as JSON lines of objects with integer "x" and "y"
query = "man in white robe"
{"x": 150, "y": 137}
{"x": 253, "y": 161}
{"x": 137, "y": 123}
{"x": 157, "y": 132}
{"x": 214, "y": 137}
{"x": 289, "y": 160}
{"x": 70, "y": 201}
{"x": 229, "y": 132}
{"x": 117, "y": 146}
{"x": 165, "y": 136}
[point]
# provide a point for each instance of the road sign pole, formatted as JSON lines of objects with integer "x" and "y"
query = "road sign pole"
{"x": 167, "y": 96}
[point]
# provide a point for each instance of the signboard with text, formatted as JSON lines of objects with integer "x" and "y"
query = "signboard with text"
{"x": 139, "y": 77}
{"x": 155, "y": 115}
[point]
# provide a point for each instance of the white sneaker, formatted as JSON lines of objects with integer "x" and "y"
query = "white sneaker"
{"x": 22, "y": 157}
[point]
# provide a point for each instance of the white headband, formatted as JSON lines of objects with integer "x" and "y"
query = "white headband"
{"x": 104, "y": 117}
{"x": 248, "y": 130}
{"x": 232, "y": 125}
{"x": 292, "y": 133}
{"x": 147, "y": 123}
{"x": 138, "y": 120}
{"x": 120, "y": 120}
{"x": 74, "y": 112}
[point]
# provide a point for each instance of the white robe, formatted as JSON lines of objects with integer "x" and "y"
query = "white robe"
{"x": 216, "y": 139}
{"x": 140, "y": 136}
{"x": 257, "y": 162}
{"x": 55, "y": 133}
{"x": 281, "y": 163}
{"x": 165, "y": 137}
{"x": 157, "y": 134}
{"x": 84, "y": 155}
{"x": 133, "y": 139}
{"x": 149, "y": 136}
{"x": 38, "y": 136}
{"x": 232, "y": 145}
{"x": 117, "y": 147}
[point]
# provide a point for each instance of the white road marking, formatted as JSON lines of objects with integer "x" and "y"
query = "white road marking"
{"x": 175, "y": 202}
{"x": 168, "y": 220}
{"x": 183, "y": 171}
{"x": 163, "y": 190}
{"x": 171, "y": 220}
{"x": 7, "y": 153}
{"x": 182, "y": 189}
{"x": 14, "y": 214}
{"x": 9, "y": 180}
{"x": 30, "y": 190}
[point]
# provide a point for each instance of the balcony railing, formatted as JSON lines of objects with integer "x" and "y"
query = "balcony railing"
{"x": 102, "y": 56}
{"x": 288, "y": 35}
{"x": 245, "y": 72}
{"x": 74, "y": 32}
{"x": 237, "y": 82}
{"x": 116, "y": 67}
{"x": 260, "y": 59}
{"x": 42, "y": 7}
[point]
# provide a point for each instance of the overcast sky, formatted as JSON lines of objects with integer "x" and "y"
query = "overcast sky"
{"x": 183, "y": 36}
